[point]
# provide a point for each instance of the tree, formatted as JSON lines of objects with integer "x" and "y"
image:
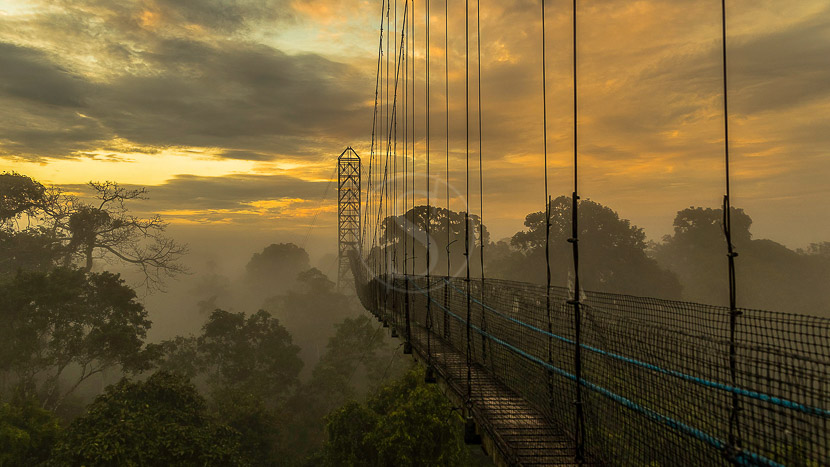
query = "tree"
{"x": 78, "y": 232}
{"x": 411, "y": 229}
{"x": 250, "y": 366}
{"x": 69, "y": 319}
{"x": 357, "y": 358}
{"x": 24, "y": 243}
{"x": 252, "y": 353}
{"x": 404, "y": 423}
{"x": 19, "y": 195}
{"x": 310, "y": 311}
{"x": 27, "y": 432}
{"x": 274, "y": 270}
{"x": 612, "y": 252}
{"x": 161, "y": 421}
{"x": 769, "y": 275}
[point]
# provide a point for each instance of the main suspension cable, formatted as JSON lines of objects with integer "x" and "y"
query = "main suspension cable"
{"x": 374, "y": 127}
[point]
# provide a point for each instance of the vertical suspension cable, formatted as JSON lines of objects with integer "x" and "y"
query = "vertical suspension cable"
{"x": 407, "y": 344}
{"x": 467, "y": 194}
{"x": 574, "y": 240}
{"x": 414, "y": 87}
{"x": 385, "y": 193}
{"x": 447, "y": 177}
{"x": 734, "y": 444}
{"x": 547, "y": 201}
{"x": 481, "y": 185}
{"x": 395, "y": 187}
{"x": 407, "y": 347}
{"x": 429, "y": 375}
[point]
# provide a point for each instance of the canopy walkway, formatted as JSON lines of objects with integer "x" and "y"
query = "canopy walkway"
{"x": 655, "y": 375}
{"x": 546, "y": 375}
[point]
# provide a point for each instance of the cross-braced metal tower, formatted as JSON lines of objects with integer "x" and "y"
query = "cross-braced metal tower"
{"x": 348, "y": 214}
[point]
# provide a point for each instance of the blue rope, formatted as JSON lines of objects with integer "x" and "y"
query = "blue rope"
{"x": 742, "y": 458}
{"x": 694, "y": 379}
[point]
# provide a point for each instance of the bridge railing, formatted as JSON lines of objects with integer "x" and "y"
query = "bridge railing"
{"x": 656, "y": 376}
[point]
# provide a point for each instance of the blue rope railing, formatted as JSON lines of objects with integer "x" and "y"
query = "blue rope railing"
{"x": 686, "y": 377}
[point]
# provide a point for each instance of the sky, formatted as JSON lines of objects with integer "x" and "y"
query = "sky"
{"x": 232, "y": 112}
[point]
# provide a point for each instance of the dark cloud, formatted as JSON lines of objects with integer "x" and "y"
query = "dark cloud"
{"x": 29, "y": 74}
{"x": 42, "y": 106}
{"x": 253, "y": 98}
{"x": 232, "y": 94}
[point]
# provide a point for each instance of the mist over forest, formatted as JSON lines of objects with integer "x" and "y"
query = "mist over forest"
{"x": 248, "y": 350}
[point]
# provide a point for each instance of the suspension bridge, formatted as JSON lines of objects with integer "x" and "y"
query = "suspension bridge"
{"x": 550, "y": 375}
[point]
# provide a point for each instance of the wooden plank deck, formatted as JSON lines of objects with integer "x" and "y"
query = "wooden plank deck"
{"x": 513, "y": 432}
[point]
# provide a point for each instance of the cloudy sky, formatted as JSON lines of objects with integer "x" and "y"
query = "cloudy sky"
{"x": 232, "y": 112}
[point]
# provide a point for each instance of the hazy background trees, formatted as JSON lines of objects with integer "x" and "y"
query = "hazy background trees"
{"x": 266, "y": 362}
{"x": 769, "y": 275}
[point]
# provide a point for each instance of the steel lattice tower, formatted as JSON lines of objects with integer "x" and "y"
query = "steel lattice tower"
{"x": 348, "y": 214}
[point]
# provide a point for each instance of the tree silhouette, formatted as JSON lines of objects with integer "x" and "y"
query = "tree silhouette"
{"x": 769, "y": 275}
{"x": 74, "y": 232}
{"x": 275, "y": 269}
{"x": 612, "y": 252}
{"x": 411, "y": 228}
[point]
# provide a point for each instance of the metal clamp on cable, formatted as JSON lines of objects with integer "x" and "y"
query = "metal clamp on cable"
{"x": 732, "y": 453}
{"x": 574, "y": 301}
{"x": 573, "y": 240}
{"x": 470, "y": 434}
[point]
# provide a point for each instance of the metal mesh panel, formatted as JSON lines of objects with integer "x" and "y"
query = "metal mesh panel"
{"x": 656, "y": 379}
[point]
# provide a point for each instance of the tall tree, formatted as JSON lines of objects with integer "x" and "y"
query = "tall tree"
{"x": 612, "y": 252}
{"x": 275, "y": 269}
{"x": 411, "y": 228}
{"x": 253, "y": 353}
{"x": 77, "y": 232}
{"x": 310, "y": 311}
{"x": 67, "y": 319}
{"x": 769, "y": 275}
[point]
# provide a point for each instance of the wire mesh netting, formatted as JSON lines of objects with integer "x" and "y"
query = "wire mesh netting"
{"x": 657, "y": 385}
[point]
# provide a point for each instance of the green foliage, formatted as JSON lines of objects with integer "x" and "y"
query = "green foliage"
{"x": 68, "y": 317}
{"x": 253, "y": 353}
{"x": 256, "y": 419}
{"x": 357, "y": 357}
{"x": 27, "y": 433}
{"x": 404, "y": 423}
{"x": 250, "y": 365}
{"x": 19, "y": 194}
{"x": 162, "y": 421}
